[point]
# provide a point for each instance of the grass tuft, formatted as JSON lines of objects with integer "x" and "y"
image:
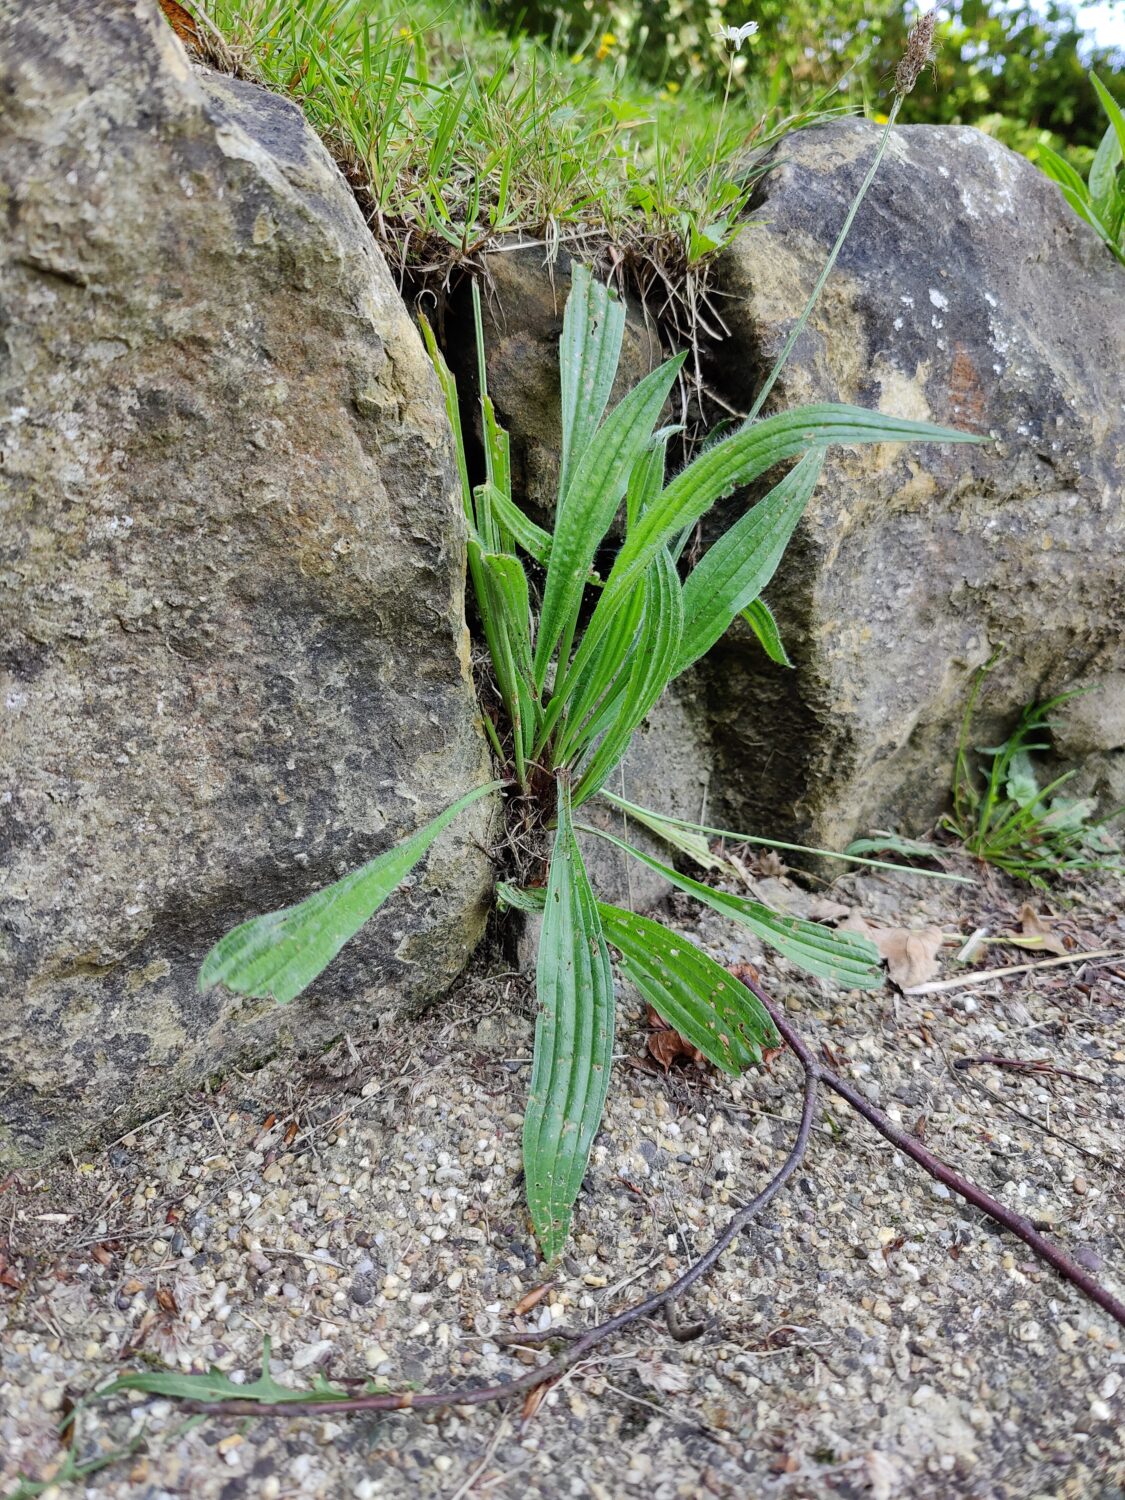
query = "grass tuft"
{"x": 458, "y": 139}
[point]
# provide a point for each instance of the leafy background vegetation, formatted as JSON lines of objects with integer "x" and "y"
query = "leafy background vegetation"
{"x": 1016, "y": 71}
{"x": 634, "y": 133}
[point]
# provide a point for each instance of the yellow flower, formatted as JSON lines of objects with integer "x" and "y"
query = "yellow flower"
{"x": 608, "y": 42}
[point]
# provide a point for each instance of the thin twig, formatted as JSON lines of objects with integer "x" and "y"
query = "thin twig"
{"x": 910, "y": 1146}
{"x": 580, "y": 1347}
{"x": 964, "y": 981}
{"x": 664, "y": 1302}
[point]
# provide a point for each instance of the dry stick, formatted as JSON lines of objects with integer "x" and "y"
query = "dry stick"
{"x": 582, "y": 1343}
{"x": 1069, "y": 1269}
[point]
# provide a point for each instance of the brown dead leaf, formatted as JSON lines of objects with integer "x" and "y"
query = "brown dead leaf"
{"x": 531, "y": 1299}
{"x": 1034, "y": 929}
{"x": 824, "y": 909}
{"x": 166, "y": 1299}
{"x": 659, "y": 1375}
{"x": 910, "y": 954}
{"x": 533, "y": 1401}
{"x": 182, "y": 22}
{"x": 666, "y": 1044}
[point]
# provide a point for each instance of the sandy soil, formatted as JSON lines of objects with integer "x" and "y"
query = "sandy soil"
{"x": 870, "y": 1336}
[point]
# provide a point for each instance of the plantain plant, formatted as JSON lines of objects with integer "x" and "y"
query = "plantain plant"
{"x": 578, "y": 662}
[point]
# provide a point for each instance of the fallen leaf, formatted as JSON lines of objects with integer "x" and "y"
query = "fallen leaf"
{"x": 884, "y": 1475}
{"x": 910, "y": 953}
{"x": 824, "y": 909}
{"x": 182, "y": 22}
{"x": 659, "y": 1375}
{"x": 1036, "y": 933}
{"x": 531, "y": 1299}
{"x": 666, "y": 1045}
{"x": 533, "y": 1401}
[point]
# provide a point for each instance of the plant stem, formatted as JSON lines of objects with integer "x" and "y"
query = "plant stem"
{"x": 798, "y": 327}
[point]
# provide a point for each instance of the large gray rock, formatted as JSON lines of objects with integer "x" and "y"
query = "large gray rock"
{"x": 234, "y": 662}
{"x": 969, "y": 294}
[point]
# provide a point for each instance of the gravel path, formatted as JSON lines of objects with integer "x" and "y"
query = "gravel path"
{"x": 869, "y": 1337}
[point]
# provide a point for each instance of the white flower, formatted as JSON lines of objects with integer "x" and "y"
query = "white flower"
{"x": 736, "y": 35}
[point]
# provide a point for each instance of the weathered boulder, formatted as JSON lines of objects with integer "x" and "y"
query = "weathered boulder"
{"x": 969, "y": 294}
{"x": 234, "y": 653}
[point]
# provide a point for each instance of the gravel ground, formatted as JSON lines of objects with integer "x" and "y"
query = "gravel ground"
{"x": 870, "y": 1336}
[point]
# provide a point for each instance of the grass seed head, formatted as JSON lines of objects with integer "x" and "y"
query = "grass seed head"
{"x": 919, "y": 53}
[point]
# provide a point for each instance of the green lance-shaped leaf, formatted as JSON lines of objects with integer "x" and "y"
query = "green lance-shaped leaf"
{"x": 532, "y": 538}
{"x": 590, "y": 502}
{"x": 647, "y": 478}
{"x": 740, "y": 458}
{"x": 706, "y": 1004}
{"x": 844, "y": 957}
{"x": 1113, "y": 111}
{"x": 652, "y": 665}
{"x": 216, "y": 1386}
{"x": 735, "y": 569}
{"x": 508, "y": 625}
{"x": 717, "y": 472}
{"x": 573, "y": 1040}
{"x": 589, "y": 352}
{"x": 1103, "y": 170}
{"x": 712, "y": 1009}
{"x": 759, "y": 617}
{"x": 281, "y": 953}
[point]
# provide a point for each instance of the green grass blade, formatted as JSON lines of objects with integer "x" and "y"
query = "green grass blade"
{"x": 573, "y": 1041}
{"x": 588, "y": 506}
{"x": 589, "y": 353}
{"x": 448, "y": 383}
{"x": 666, "y": 827}
{"x": 737, "y": 567}
{"x": 844, "y": 957}
{"x": 759, "y": 617}
{"x": 709, "y": 1007}
{"x": 281, "y": 953}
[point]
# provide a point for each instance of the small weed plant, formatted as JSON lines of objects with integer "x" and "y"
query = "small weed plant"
{"x": 1100, "y": 200}
{"x": 1002, "y": 815}
{"x": 579, "y": 661}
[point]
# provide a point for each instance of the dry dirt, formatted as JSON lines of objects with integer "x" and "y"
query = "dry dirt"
{"x": 870, "y": 1336}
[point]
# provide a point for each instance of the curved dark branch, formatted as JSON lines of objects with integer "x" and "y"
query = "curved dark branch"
{"x": 581, "y": 1344}
{"x": 1069, "y": 1269}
